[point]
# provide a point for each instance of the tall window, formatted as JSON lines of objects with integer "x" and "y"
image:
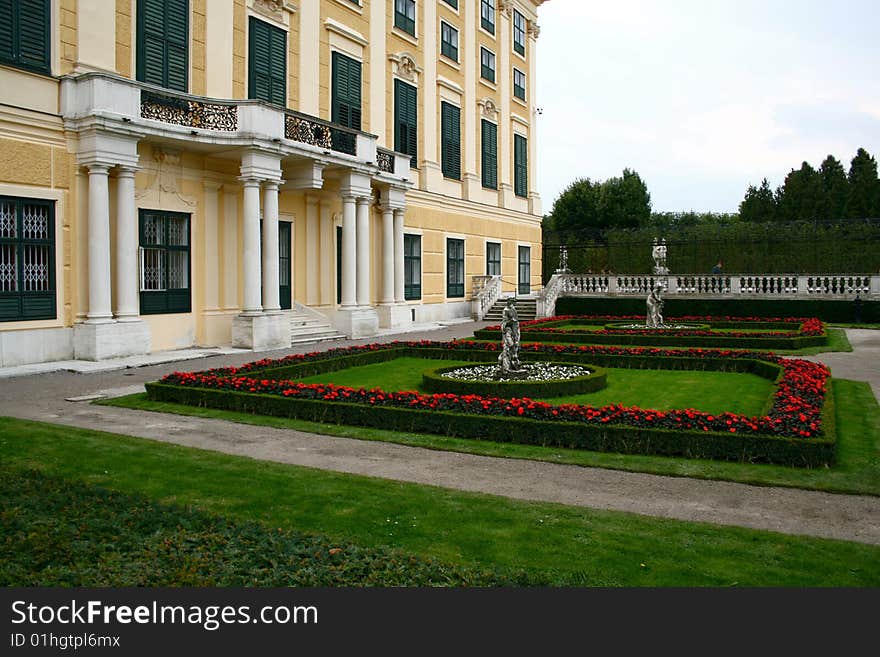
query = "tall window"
{"x": 165, "y": 262}
{"x": 524, "y": 270}
{"x": 267, "y": 63}
{"x": 412, "y": 267}
{"x": 448, "y": 41}
{"x": 406, "y": 120}
{"x": 519, "y": 32}
{"x": 493, "y": 259}
{"x": 450, "y": 137}
{"x": 163, "y": 43}
{"x": 24, "y": 34}
{"x": 487, "y": 65}
{"x": 454, "y": 267}
{"x": 487, "y": 15}
{"x": 346, "y": 100}
{"x": 27, "y": 259}
{"x": 520, "y": 166}
{"x": 405, "y": 15}
{"x": 519, "y": 84}
{"x": 489, "y": 143}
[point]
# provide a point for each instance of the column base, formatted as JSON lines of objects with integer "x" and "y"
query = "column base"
{"x": 471, "y": 186}
{"x": 359, "y": 322}
{"x": 261, "y": 332}
{"x": 394, "y": 315}
{"x": 111, "y": 340}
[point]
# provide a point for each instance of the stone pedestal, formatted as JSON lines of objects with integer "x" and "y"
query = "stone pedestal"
{"x": 111, "y": 340}
{"x": 394, "y": 315}
{"x": 357, "y": 322}
{"x": 261, "y": 332}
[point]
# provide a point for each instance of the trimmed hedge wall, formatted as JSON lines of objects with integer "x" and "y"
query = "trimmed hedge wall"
{"x": 815, "y": 452}
{"x": 703, "y": 342}
{"x": 828, "y": 310}
{"x": 434, "y": 381}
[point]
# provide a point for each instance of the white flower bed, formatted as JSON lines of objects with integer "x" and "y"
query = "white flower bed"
{"x": 533, "y": 372}
{"x": 665, "y": 327}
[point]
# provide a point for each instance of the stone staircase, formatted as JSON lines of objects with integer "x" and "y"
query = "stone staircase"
{"x": 309, "y": 326}
{"x": 526, "y": 309}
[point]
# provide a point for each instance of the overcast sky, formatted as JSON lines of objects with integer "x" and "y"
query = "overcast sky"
{"x": 703, "y": 97}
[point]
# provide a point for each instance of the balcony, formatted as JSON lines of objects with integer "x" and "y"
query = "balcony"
{"x": 105, "y": 102}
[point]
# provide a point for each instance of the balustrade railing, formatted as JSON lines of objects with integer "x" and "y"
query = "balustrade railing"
{"x": 775, "y": 286}
{"x": 315, "y": 132}
{"x": 486, "y": 291}
{"x": 385, "y": 160}
{"x": 183, "y": 111}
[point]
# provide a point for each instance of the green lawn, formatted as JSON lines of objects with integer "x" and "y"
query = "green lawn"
{"x": 858, "y": 446}
{"x": 712, "y": 392}
{"x": 568, "y": 545}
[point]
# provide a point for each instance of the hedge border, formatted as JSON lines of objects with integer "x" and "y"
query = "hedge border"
{"x": 434, "y": 381}
{"x": 817, "y": 451}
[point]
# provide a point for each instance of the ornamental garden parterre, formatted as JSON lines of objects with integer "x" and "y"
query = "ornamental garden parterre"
{"x": 797, "y": 427}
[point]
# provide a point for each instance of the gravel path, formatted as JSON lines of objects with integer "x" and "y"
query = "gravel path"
{"x": 792, "y": 511}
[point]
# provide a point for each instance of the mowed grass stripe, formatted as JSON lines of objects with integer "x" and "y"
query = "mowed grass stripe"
{"x": 571, "y": 545}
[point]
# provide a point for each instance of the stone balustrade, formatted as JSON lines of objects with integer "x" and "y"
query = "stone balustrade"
{"x": 486, "y": 291}
{"x": 708, "y": 286}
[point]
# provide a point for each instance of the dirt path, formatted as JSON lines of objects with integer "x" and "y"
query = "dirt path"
{"x": 792, "y": 511}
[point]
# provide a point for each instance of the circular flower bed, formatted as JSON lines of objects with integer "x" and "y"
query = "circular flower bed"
{"x": 540, "y": 379}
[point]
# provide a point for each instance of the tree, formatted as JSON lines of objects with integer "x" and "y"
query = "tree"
{"x": 799, "y": 195}
{"x": 864, "y": 187}
{"x": 834, "y": 190}
{"x": 759, "y": 204}
{"x": 620, "y": 202}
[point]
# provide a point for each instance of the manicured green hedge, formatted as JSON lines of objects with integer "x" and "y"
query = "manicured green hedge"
{"x": 434, "y": 381}
{"x": 815, "y": 452}
{"x": 828, "y": 310}
{"x": 704, "y": 342}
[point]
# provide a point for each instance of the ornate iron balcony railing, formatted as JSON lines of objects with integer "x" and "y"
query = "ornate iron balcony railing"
{"x": 189, "y": 113}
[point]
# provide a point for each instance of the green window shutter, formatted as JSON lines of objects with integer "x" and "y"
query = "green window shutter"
{"x": 162, "y": 43}
{"x": 267, "y": 63}
{"x": 24, "y": 34}
{"x": 520, "y": 166}
{"x": 489, "y": 144}
{"x": 450, "y": 128}
{"x": 346, "y": 93}
{"x": 412, "y": 267}
{"x": 406, "y": 120}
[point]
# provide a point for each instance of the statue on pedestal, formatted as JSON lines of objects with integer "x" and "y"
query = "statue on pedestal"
{"x": 658, "y": 253}
{"x": 655, "y": 308}
{"x": 508, "y": 361}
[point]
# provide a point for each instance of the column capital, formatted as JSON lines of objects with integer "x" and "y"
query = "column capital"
{"x": 249, "y": 181}
{"x": 272, "y": 184}
{"x": 212, "y": 185}
{"x": 99, "y": 167}
{"x": 126, "y": 171}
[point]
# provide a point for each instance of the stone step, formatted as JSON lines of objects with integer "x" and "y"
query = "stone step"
{"x": 306, "y": 328}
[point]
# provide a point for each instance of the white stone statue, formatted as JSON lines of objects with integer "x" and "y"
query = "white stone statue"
{"x": 508, "y": 361}
{"x": 655, "y": 308}
{"x": 658, "y": 253}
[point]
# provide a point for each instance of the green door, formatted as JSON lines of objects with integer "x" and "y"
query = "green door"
{"x": 339, "y": 264}
{"x": 525, "y": 270}
{"x": 284, "y": 295}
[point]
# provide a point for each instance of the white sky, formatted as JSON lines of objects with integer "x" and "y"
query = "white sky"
{"x": 703, "y": 97}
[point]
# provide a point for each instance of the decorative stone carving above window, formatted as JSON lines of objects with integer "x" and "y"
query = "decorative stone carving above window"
{"x": 488, "y": 108}
{"x": 534, "y": 30}
{"x": 505, "y": 7}
{"x": 405, "y": 67}
{"x": 274, "y": 9}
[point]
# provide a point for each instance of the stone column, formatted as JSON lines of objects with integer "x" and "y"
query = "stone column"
{"x": 99, "y": 246}
{"x": 127, "y": 305}
{"x": 252, "y": 303}
{"x": 363, "y": 251}
{"x": 388, "y": 255}
{"x": 349, "y": 253}
{"x": 398, "y": 255}
{"x": 271, "y": 302}
{"x": 327, "y": 234}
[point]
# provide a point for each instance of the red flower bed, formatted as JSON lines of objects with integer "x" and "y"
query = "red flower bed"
{"x": 796, "y": 410}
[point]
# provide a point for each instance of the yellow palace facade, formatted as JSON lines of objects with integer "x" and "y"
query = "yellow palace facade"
{"x": 176, "y": 173}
